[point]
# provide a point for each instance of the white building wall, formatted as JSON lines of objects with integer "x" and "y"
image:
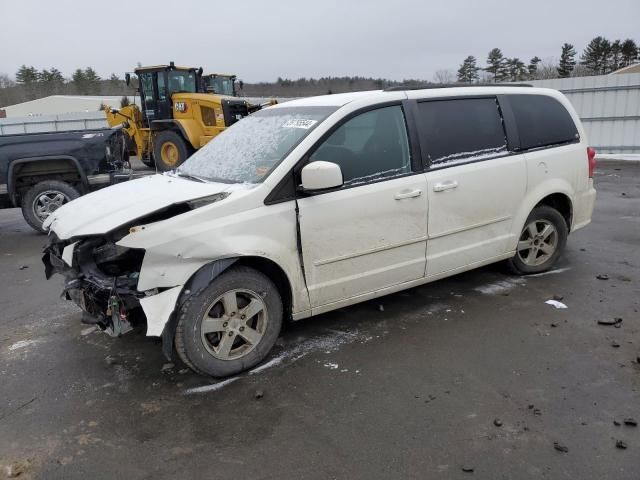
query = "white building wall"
{"x": 609, "y": 107}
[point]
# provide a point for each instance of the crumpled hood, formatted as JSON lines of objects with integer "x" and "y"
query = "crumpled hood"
{"x": 101, "y": 211}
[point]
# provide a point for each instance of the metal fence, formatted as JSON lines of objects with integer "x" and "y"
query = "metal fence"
{"x": 53, "y": 123}
{"x": 609, "y": 107}
{"x": 71, "y": 121}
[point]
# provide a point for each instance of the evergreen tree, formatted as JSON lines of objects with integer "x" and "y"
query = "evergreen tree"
{"x": 92, "y": 79}
{"x": 614, "y": 59}
{"x": 629, "y": 52}
{"x": 596, "y": 55}
{"x": 26, "y": 75}
{"x": 468, "y": 71}
{"x": 533, "y": 66}
{"x": 80, "y": 81}
{"x": 515, "y": 70}
{"x": 50, "y": 81}
{"x": 567, "y": 60}
{"x": 495, "y": 64}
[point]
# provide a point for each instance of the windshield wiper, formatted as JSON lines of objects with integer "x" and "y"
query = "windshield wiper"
{"x": 189, "y": 176}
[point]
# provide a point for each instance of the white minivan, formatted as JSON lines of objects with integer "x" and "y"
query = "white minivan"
{"x": 323, "y": 202}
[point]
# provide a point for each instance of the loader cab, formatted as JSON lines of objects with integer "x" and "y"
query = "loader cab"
{"x": 157, "y": 84}
{"x": 219, "y": 84}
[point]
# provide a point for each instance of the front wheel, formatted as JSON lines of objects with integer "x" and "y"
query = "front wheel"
{"x": 541, "y": 242}
{"x": 43, "y": 199}
{"x": 231, "y": 325}
{"x": 170, "y": 150}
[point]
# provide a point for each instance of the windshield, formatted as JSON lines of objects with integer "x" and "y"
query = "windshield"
{"x": 182, "y": 81}
{"x": 221, "y": 86}
{"x": 251, "y": 148}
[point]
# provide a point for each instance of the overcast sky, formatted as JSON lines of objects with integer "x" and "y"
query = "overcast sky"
{"x": 264, "y": 39}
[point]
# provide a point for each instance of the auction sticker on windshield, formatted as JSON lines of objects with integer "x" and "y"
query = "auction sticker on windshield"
{"x": 299, "y": 123}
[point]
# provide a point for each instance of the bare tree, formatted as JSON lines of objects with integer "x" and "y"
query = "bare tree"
{"x": 6, "y": 81}
{"x": 444, "y": 76}
{"x": 547, "y": 68}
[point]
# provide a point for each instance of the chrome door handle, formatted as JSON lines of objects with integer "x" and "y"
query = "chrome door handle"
{"x": 448, "y": 185}
{"x": 408, "y": 194}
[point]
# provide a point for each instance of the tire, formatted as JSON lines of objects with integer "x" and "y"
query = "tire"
{"x": 36, "y": 208}
{"x": 169, "y": 150}
{"x": 541, "y": 242}
{"x": 201, "y": 344}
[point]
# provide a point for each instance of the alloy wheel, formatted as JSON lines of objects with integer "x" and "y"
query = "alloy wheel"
{"x": 234, "y": 324}
{"x": 538, "y": 242}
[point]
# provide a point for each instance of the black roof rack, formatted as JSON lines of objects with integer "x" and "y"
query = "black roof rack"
{"x": 429, "y": 86}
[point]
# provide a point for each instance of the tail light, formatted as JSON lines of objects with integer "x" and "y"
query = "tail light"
{"x": 591, "y": 154}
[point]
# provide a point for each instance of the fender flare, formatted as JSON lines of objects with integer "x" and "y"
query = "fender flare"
{"x": 11, "y": 187}
{"x": 198, "y": 282}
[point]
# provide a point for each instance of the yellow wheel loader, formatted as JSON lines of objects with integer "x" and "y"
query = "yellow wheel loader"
{"x": 176, "y": 116}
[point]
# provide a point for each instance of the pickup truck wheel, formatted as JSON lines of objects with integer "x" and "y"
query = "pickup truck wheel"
{"x": 169, "y": 150}
{"x": 541, "y": 242}
{"x": 231, "y": 325}
{"x": 43, "y": 199}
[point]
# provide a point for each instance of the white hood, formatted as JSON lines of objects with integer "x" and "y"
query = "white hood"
{"x": 103, "y": 210}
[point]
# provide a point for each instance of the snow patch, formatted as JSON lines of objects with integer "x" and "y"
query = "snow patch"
{"x": 500, "y": 286}
{"x": 211, "y": 388}
{"x": 271, "y": 363}
{"x": 22, "y": 344}
{"x": 550, "y": 272}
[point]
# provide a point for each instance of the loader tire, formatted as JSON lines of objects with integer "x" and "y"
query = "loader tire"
{"x": 170, "y": 150}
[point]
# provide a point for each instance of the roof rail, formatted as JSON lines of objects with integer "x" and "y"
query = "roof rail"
{"x": 429, "y": 86}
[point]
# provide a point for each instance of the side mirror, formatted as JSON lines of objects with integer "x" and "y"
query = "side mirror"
{"x": 321, "y": 176}
{"x": 127, "y": 78}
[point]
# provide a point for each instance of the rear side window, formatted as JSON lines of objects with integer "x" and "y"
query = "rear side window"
{"x": 542, "y": 121}
{"x": 461, "y": 130}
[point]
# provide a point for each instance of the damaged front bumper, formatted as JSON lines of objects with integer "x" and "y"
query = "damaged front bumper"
{"x": 101, "y": 278}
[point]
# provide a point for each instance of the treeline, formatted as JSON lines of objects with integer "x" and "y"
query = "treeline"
{"x": 600, "y": 57}
{"x": 302, "y": 87}
{"x": 30, "y": 83}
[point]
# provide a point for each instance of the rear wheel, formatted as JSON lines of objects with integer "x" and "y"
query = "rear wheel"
{"x": 541, "y": 242}
{"x": 43, "y": 199}
{"x": 169, "y": 150}
{"x": 231, "y": 325}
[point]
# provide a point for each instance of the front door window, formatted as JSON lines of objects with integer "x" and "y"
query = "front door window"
{"x": 369, "y": 147}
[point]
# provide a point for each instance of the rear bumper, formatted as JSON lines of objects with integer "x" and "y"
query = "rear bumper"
{"x": 583, "y": 207}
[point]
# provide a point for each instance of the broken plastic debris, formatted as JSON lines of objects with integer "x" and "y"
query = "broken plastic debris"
{"x": 621, "y": 444}
{"x": 609, "y": 321}
{"x": 560, "y": 447}
{"x": 556, "y": 304}
{"x": 602, "y": 276}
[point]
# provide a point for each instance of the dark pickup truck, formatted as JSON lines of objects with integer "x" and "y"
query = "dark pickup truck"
{"x": 41, "y": 171}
